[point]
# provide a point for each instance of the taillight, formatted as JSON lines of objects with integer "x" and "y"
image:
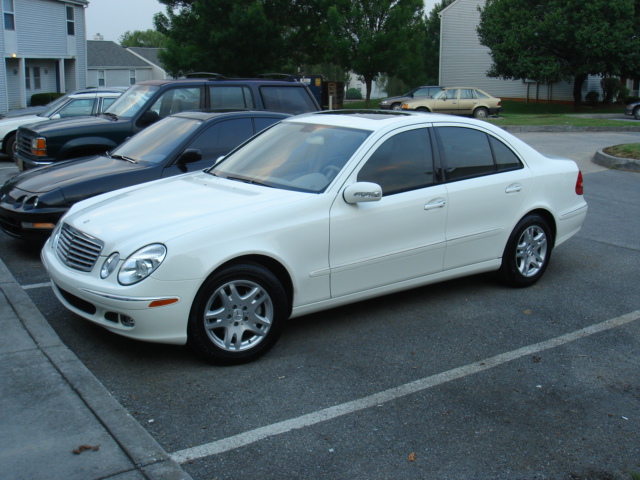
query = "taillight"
{"x": 579, "y": 184}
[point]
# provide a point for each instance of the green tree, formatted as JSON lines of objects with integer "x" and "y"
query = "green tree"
{"x": 432, "y": 43}
{"x": 374, "y": 37}
{"x": 240, "y": 37}
{"x": 139, "y": 38}
{"x": 551, "y": 40}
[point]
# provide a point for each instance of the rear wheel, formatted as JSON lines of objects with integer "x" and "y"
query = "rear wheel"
{"x": 237, "y": 315}
{"x": 528, "y": 252}
{"x": 481, "y": 112}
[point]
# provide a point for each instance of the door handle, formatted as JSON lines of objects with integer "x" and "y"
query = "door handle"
{"x": 515, "y": 188}
{"x": 438, "y": 203}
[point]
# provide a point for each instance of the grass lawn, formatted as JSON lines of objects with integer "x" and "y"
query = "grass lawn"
{"x": 521, "y": 113}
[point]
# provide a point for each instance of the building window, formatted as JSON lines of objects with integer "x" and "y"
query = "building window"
{"x": 37, "y": 83}
{"x": 132, "y": 77}
{"x": 9, "y": 15}
{"x": 71, "y": 21}
{"x": 101, "y": 78}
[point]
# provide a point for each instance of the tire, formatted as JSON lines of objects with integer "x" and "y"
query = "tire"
{"x": 636, "y": 113}
{"x": 237, "y": 315}
{"x": 527, "y": 253}
{"x": 481, "y": 112}
{"x": 396, "y": 106}
{"x": 10, "y": 146}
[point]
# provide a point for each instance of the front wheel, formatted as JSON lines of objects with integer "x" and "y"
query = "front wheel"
{"x": 237, "y": 315}
{"x": 527, "y": 253}
{"x": 10, "y": 146}
{"x": 396, "y": 106}
{"x": 636, "y": 113}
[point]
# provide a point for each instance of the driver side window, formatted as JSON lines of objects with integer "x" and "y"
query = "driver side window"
{"x": 403, "y": 162}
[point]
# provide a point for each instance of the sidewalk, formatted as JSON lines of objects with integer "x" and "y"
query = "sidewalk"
{"x": 51, "y": 406}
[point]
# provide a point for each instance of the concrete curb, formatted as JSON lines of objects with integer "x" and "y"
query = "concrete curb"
{"x": 616, "y": 163}
{"x": 144, "y": 452}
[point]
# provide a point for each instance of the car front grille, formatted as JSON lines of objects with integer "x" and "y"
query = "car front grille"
{"x": 23, "y": 141}
{"x": 78, "y": 250}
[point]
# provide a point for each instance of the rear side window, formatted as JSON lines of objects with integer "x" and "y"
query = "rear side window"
{"x": 403, "y": 162}
{"x": 294, "y": 99}
{"x": 263, "y": 122}
{"x": 471, "y": 153}
{"x": 234, "y": 96}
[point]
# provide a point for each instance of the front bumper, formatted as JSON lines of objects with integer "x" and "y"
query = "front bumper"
{"x": 26, "y": 163}
{"x": 32, "y": 227}
{"x": 124, "y": 310}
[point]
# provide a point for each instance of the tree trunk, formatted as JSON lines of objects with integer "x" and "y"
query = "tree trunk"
{"x": 368, "y": 81}
{"x": 578, "y": 81}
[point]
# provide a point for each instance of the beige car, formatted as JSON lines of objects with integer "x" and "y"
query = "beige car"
{"x": 457, "y": 101}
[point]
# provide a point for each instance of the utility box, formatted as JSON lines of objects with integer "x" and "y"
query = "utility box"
{"x": 332, "y": 95}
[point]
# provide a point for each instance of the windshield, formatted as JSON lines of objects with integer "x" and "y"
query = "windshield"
{"x": 157, "y": 141}
{"x": 131, "y": 101}
{"x": 293, "y": 156}
{"x": 53, "y": 106}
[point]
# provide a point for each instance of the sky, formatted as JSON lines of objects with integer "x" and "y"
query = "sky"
{"x": 112, "y": 18}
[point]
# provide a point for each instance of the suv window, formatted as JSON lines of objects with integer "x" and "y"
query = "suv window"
{"x": 177, "y": 100}
{"x": 131, "y": 101}
{"x": 470, "y": 153}
{"x": 231, "y": 97}
{"x": 285, "y": 99}
{"x": 403, "y": 162}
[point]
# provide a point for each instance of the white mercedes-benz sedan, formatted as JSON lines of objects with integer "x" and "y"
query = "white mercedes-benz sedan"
{"x": 317, "y": 211}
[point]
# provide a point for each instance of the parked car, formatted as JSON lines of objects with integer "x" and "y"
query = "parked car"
{"x": 32, "y": 203}
{"x": 81, "y": 103}
{"x": 395, "y": 103}
{"x": 145, "y": 103}
{"x": 458, "y": 101}
{"x": 633, "y": 109}
{"x": 318, "y": 211}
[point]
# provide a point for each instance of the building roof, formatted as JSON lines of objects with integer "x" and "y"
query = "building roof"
{"x": 107, "y": 54}
{"x": 148, "y": 53}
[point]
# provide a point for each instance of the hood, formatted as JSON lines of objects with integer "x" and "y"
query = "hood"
{"x": 69, "y": 174}
{"x": 9, "y": 123}
{"x": 80, "y": 124}
{"x": 24, "y": 111}
{"x": 161, "y": 210}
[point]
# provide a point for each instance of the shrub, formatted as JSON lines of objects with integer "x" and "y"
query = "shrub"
{"x": 354, "y": 94}
{"x": 631, "y": 99}
{"x": 592, "y": 98}
{"x": 610, "y": 89}
{"x": 44, "y": 98}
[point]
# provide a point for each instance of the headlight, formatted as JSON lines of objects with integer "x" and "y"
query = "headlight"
{"x": 109, "y": 265}
{"x": 141, "y": 264}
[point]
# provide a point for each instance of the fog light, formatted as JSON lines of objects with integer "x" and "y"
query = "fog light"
{"x": 127, "y": 321}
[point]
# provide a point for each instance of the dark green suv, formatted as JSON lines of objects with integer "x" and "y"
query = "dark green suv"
{"x": 145, "y": 103}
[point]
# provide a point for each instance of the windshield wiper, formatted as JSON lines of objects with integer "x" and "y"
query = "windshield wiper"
{"x": 121, "y": 157}
{"x": 247, "y": 180}
{"x": 109, "y": 114}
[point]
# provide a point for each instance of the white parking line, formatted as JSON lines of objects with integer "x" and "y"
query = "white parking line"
{"x": 36, "y": 285}
{"x": 252, "y": 436}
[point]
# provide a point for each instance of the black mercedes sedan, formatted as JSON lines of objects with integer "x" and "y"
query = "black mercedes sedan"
{"x": 32, "y": 203}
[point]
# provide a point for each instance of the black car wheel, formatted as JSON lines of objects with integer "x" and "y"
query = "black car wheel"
{"x": 636, "y": 113}
{"x": 237, "y": 315}
{"x": 527, "y": 253}
{"x": 10, "y": 146}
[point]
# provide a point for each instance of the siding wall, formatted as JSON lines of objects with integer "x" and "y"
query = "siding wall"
{"x": 465, "y": 62}
{"x": 40, "y": 40}
{"x": 117, "y": 77}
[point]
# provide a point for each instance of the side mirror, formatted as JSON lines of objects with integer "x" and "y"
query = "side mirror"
{"x": 55, "y": 117}
{"x": 362, "y": 192}
{"x": 148, "y": 117}
{"x": 190, "y": 155}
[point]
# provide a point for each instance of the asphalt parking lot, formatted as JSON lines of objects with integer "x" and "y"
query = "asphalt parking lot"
{"x": 462, "y": 380}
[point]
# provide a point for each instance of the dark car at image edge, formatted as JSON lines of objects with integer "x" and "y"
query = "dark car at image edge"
{"x": 32, "y": 202}
{"x": 146, "y": 102}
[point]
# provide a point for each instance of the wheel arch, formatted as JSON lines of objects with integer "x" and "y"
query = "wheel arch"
{"x": 4, "y": 140}
{"x": 550, "y": 219}
{"x": 269, "y": 263}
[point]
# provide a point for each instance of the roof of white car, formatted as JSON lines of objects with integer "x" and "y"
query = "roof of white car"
{"x": 377, "y": 119}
